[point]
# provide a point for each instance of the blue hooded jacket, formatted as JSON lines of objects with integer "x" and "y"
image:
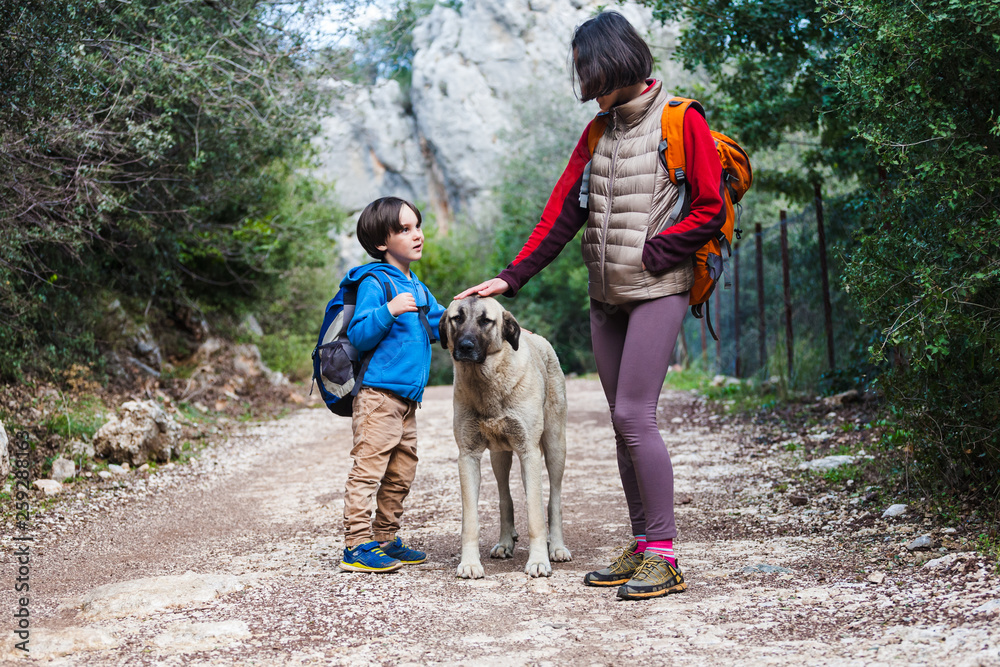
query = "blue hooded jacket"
{"x": 402, "y": 359}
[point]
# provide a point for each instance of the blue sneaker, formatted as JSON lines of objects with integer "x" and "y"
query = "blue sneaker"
{"x": 368, "y": 557}
{"x": 406, "y": 555}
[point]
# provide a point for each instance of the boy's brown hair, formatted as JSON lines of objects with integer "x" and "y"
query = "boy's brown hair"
{"x": 609, "y": 54}
{"x": 379, "y": 220}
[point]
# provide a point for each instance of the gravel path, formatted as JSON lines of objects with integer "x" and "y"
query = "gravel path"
{"x": 231, "y": 559}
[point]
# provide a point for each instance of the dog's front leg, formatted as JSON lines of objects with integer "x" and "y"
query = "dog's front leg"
{"x": 469, "y": 477}
{"x": 501, "y": 461}
{"x": 538, "y": 552}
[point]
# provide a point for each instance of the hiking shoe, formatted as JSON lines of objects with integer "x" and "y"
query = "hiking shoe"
{"x": 654, "y": 577}
{"x": 404, "y": 554}
{"x": 619, "y": 571}
{"x": 368, "y": 557}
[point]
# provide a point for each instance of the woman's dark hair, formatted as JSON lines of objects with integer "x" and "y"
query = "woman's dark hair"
{"x": 609, "y": 54}
{"x": 379, "y": 220}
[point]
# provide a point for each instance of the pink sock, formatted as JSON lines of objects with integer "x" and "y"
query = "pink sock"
{"x": 640, "y": 544}
{"x": 663, "y": 548}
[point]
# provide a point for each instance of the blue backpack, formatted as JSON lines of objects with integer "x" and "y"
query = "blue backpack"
{"x": 338, "y": 366}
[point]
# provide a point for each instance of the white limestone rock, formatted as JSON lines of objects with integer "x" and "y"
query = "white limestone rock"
{"x": 248, "y": 363}
{"x": 80, "y": 448}
{"x": 191, "y": 637}
{"x": 49, "y": 487}
{"x": 826, "y": 463}
{"x": 141, "y": 597}
{"x": 63, "y": 469}
{"x": 142, "y": 432}
{"x": 476, "y": 70}
{"x": 48, "y": 644}
{"x": 893, "y": 510}
{"x": 4, "y": 454}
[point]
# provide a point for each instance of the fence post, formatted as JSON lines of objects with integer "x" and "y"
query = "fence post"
{"x": 761, "y": 324}
{"x": 827, "y": 308}
{"x": 789, "y": 342}
{"x": 736, "y": 311}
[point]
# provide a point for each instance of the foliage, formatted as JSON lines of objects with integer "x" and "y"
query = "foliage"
{"x": 385, "y": 48}
{"x": 554, "y": 303}
{"x": 772, "y": 67}
{"x": 914, "y": 85}
{"x": 142, "y": 148}
{"x": 921, "y": 82}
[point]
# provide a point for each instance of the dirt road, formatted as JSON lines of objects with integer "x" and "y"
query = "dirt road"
{"x": 231, "y": 559}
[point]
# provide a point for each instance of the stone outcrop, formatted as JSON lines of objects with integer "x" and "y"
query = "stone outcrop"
{"x": 477, "y": 70}
{"x": 142, "y": 432}
{"x": 142, "y": 597}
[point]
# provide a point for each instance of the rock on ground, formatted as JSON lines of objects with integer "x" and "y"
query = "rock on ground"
{"x": 142, "y": 597}
{"x": 63, "y": 469}
{"x": 4, "y": 454}
{"x": 190, "y": 637}
{"x": 826, "y": 463}
{"x": 142, "y": 432}
{"x": 47, "y": 644}
{"x": 894, "y": 510}
{"x": 49, "y": 487}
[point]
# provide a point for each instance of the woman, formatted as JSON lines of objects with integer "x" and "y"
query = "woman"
{"x": 640, "y": 270}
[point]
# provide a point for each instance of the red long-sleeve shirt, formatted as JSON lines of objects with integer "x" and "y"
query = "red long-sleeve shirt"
{"x": 563, "y": 216}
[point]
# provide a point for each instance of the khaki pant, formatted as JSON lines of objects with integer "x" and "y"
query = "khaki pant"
{"x": 385, "y": 462}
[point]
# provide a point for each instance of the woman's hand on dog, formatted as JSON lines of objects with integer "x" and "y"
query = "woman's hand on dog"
{"x": 402, "y": 303}
{"x": 488, "y": 288}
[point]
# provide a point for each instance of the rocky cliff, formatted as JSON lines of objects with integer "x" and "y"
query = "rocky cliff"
{"x": 476, "y": 71}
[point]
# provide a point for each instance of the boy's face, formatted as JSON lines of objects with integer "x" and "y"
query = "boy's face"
{"x": 406, "y": 246}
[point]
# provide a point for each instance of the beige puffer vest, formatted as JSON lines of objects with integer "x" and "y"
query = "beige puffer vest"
{"x": 630, "y": 200}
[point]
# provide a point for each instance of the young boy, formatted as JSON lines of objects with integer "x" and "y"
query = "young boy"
{"x": 384, "y": 420}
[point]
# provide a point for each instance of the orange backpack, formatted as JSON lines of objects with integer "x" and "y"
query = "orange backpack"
{"x": 736, "y": 172}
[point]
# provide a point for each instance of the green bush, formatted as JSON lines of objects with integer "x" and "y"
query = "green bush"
{"x": 926, "y": 272}
{"x": 144, "y": 147}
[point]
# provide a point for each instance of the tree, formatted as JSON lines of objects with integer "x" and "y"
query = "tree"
{"x": 772, "y": 66}
{"x": 921, "y": 82}
{"x": 142, "y": 146}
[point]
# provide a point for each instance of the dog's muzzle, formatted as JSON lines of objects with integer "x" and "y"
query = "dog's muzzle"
{"x": 467, "y": 350}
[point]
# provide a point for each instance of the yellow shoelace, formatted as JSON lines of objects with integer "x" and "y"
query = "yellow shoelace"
{"x": 649, "y": 565}
{"x": 624, "y": 556}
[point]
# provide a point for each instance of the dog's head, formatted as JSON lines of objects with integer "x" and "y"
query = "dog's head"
{"x": 476, "y": 327}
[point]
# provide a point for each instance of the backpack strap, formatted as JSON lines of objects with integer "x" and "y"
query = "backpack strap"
{"x": 422, "y": 314}
{"x": 597, "y": 128}
{"x": 366, "y": 359}
{"x": 671, "y": 148}
{"x": 594, "y": 133}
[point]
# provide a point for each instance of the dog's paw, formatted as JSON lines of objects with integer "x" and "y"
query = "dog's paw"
{"x": 502, "y": 550}
{"x": 470, "y": 571}
{"x": 538, "y": 569}
{"x": 560, "y": 555}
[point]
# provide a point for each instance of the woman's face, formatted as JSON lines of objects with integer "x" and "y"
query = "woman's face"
{"x": 606, "y": 102}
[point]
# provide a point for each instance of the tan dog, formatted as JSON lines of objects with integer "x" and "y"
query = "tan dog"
{"x": 510, "y": 397}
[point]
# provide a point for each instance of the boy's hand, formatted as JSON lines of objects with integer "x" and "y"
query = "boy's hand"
{"x": 402, "y": 303}
{"x": 488, "y": 288}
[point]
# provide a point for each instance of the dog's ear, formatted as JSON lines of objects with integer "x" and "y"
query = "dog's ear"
{"x": 443, "y": 330}
{"x": 511, "y": 330}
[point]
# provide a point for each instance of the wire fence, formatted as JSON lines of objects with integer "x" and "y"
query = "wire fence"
{"x": 782, "y": 315}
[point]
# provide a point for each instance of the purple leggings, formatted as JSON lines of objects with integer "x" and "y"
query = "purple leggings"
{"x": 632, "y": 346}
